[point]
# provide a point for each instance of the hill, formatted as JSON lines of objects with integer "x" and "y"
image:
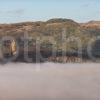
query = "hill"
{"x": 59, "y": 34}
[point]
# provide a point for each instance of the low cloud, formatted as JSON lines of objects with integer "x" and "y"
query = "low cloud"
{"x": 17, "y": 12}
{"x": 85, "y": 5}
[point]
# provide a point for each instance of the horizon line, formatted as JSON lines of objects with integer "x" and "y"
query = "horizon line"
{"x": 45, "y": 20}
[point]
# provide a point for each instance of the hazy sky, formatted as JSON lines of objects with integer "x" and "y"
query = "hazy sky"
{"x": 32, "y": 10}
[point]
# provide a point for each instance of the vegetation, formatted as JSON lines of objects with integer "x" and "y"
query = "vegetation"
{"x": 59, "y": 34}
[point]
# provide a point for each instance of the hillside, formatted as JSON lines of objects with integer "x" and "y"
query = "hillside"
{"x": 92, "y": 24}
{"x": 50, "y": 34}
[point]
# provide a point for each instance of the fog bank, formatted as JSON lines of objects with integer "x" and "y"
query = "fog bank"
{"x": 49, "y": 81}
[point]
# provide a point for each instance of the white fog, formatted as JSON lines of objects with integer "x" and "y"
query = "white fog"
{"x": 49, "y": 81}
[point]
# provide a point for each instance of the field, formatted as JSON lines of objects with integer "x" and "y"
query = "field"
{"x": 50, "y": 81}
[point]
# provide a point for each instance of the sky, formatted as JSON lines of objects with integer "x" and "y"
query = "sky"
{"x": 13, "y": 11}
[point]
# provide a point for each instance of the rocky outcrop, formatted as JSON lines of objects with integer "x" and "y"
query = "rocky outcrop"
{"x": 66, "y": 59}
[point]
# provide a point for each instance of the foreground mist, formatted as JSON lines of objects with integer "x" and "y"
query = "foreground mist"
{"x": 49, "y": 81}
